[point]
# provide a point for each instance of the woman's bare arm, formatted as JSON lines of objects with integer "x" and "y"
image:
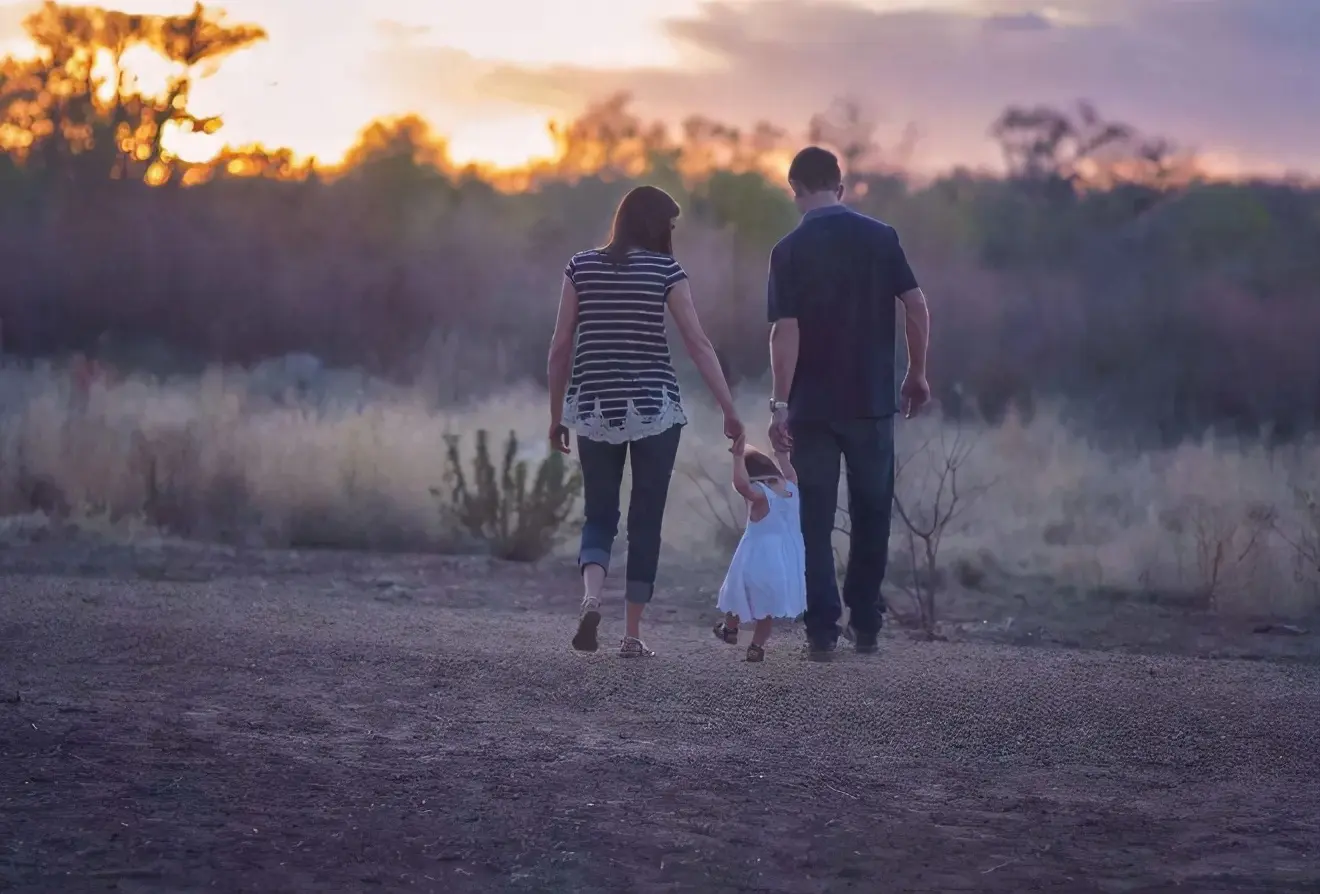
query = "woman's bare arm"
{"x": 698, "y": 345}
{"x": 559, "y": 365}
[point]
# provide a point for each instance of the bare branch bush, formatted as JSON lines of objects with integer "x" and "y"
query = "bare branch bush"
{"x": 931, "y": 494}
{"x": 1225, "y": 541}
{"x": 716, "y": 504}
{"x": 1303, "y": 537}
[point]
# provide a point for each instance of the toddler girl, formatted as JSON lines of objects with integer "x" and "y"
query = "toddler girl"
{"x": 767, "y": 577}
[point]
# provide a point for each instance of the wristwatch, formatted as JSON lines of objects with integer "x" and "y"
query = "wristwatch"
{"x": 777, "y": 405}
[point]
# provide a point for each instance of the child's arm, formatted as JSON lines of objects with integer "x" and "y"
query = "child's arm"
{"x": 757, "y": 501}
{"x": 786, "y": 466}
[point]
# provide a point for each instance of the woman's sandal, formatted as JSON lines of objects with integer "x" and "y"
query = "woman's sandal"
{"x": 755, "y": 653}
{"x": 585, "y": 640}
{"x": 726, "y": 633}
{"x": 632, "y": 647}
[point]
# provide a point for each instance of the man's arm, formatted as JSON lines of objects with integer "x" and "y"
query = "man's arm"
{"x": 785, "y": 339}
{"x": 783, "y": 301}
{"x": 782, "y": 305}
{"x": 916, "y": 329}
{"x": 915, "y": 392}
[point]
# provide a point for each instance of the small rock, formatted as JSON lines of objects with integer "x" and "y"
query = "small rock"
{"x": 1282, "y": 629}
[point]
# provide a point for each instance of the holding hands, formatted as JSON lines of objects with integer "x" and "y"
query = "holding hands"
{"x": 734, "y": 430}
{"x": 779, "y": 433}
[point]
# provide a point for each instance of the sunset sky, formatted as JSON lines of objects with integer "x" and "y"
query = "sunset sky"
{"x": 1235, "y": 79}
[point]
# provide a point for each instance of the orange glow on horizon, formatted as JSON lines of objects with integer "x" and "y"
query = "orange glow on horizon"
{"x": 305, "y": 87}
{"x": 509, "y": 142}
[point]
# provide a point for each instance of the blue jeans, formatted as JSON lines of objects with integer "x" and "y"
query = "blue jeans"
{"x": 867, "y": 446}
{"x": 602, "y": 477}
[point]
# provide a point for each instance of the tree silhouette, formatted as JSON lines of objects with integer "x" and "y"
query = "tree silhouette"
{"x": 608, "y": 139}
{"x": 849, "y": 129}
{"x": 709, "y": 145}
{"x": 250, "y": 161}
{"x": 406, "y": 140}
{"x": 1082, "y": 149}
{"x": 73, "y": 117}
{"x": 1044, "y": 143}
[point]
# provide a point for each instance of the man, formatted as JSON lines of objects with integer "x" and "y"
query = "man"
{"x": 832, "y": 286}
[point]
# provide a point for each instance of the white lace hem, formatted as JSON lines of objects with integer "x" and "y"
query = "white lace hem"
{"x": 591, "y": 424}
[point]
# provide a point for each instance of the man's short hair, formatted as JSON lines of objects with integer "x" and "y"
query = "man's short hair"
{"x": 815, "y": 170}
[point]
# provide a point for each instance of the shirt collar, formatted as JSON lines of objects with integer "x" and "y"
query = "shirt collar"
{"x": 827, "y": 211}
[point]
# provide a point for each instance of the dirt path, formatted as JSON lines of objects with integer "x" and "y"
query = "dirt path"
{"x": 315, "y": 734}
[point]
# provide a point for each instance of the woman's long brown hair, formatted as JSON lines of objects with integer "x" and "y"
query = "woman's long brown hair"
{"x": 644, "y": 220}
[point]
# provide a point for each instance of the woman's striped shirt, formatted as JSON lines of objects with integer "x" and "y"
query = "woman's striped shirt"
{"x": 623, "y": 386}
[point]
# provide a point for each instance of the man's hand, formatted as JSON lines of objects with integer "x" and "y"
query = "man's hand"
{"x": 781, "y": 437}
{"x": 559, "y": 437}
{"x": 915, "y": 394}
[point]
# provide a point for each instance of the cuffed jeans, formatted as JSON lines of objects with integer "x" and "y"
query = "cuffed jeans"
{"x": 602, "y": 477}
{"x": 867, "y": 447}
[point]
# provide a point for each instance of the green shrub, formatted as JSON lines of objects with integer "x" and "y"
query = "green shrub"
{"x": 518, "y": 522}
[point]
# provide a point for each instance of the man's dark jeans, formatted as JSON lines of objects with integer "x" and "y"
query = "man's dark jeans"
{"x": 867, "y": 447}
{"x": 602, "y": 477}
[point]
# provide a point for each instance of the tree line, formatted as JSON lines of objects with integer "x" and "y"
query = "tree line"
{"x": 1100, "y": 269}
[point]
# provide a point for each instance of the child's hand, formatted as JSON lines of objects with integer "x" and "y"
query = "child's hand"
{"x": 739, "y": 447}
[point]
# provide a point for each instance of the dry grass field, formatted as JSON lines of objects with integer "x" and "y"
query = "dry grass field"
{"x": 351, "y": 463}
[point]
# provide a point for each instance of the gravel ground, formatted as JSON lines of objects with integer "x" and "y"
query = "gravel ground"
{"x": 426, "y": 728}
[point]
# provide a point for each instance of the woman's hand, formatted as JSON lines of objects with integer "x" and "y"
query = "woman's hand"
{"x": 559, "y": 437}
{"x": 734, "y": 430}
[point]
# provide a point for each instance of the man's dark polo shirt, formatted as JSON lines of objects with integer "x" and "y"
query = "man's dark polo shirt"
{"x": 838, "y": 274}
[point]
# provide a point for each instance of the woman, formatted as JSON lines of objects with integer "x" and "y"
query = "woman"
{"x": 622, "y": 398}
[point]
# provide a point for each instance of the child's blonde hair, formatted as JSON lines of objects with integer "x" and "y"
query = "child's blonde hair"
{"x": 760, "y": 467}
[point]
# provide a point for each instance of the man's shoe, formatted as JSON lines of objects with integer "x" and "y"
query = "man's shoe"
{"x": 865, "y": 643}
{"x": 820, "y": 649}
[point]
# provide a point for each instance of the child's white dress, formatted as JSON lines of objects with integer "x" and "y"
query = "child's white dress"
{"x": 768, "y": 575}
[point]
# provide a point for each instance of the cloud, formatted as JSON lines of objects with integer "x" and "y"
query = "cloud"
{"x": 1018, "y": 21}
{"x": 418, "y": 76}
{"x": 392, "y": 31}
{"x": 1226, "y": 77}
{"x": 11, "y": 20}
